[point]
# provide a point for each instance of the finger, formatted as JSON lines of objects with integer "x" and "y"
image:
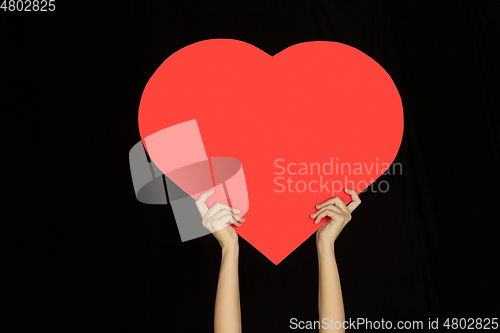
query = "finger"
{"x": 217, "y": 207}
{"x": 355, "y": 200}
{"x": 226, "y": 211}
{"x": 334, "y": 201}
{"x": 223, "y": 221}
{"x": 331, "y": 207}
{"x": 217, "y": 225}
{"x": 325, "y": 213}
{"x": 200, "y": 202}
{"x": 229, "y": 219}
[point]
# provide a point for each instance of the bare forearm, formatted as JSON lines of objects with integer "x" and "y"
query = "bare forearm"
{"x": 330, "y": 303}
{"x": 227, "y": 317}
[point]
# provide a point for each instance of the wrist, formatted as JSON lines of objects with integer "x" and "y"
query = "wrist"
{"x": 232, "y": 248}
{"x": 325, "y": 247}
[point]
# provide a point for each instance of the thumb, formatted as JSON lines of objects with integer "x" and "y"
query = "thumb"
{"x": 327, "y": 222}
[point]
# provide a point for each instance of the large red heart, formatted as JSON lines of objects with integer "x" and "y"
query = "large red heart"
{"x": 316, "y": 103}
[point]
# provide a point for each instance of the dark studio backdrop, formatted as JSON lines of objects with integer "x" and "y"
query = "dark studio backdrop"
{"x": 89, "y": 257}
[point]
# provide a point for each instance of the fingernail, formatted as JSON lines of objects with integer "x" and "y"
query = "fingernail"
{"x": 317, "y": 206}
{"x": 242, "y": 219}
{"x": 311, "y": 215}
{"x": 237, "y": 210}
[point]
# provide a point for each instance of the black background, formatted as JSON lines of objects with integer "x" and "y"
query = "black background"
{"x": 87, "y": 256}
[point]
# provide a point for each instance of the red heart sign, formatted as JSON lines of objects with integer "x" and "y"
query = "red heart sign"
{"x": 306, "y": 123}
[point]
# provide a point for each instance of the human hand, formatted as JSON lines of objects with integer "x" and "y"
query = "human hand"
{"x": 218, "y": 219}
{"x": 339, "y": 214}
